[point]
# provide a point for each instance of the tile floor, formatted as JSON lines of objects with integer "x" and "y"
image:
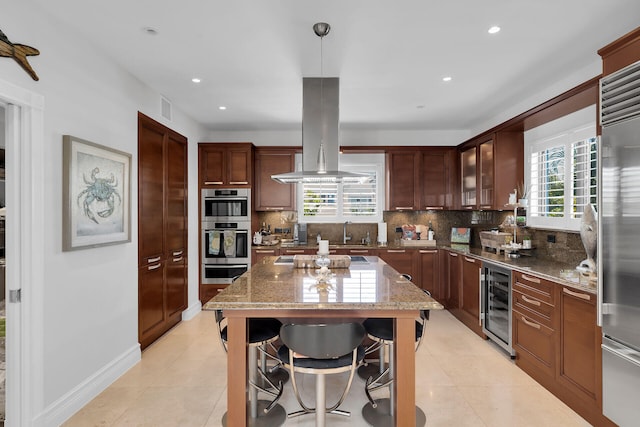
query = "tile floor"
{"x": 461, "y": 380}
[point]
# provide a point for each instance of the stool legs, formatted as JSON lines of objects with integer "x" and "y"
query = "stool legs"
{"x": 321, "y": 401}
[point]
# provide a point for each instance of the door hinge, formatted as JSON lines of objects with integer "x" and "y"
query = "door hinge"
{"x": 15, "y": 295}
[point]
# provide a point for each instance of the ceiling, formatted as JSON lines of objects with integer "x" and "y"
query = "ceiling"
{"x": 391, "y": 56}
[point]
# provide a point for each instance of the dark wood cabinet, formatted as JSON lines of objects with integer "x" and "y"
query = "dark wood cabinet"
{"x": 469, "y": 312}
{"x": 428, "y": 267}
{"x": 225, "y": 164}
{"x": 580, "y": 367}
{"x": 454, "y": 279}
{"x": 269, "y": 194}
{"x": 437, "y": 176}
{"x": 401, "y": 260}
{"x": 258, "y": 254}
{"x": 162, "y": 229}
{"x": 209, "y": 291}
{"x": 420, "y": 178}
{"x": 491, "y": 167}
{"x": 534, "y": 325}
{"x": 402, "y": 180}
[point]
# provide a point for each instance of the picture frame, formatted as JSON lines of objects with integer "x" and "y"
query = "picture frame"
{"x": 96, "y": 195}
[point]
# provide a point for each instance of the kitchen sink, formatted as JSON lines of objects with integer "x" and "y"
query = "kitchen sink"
{"x": 288, "y": 259}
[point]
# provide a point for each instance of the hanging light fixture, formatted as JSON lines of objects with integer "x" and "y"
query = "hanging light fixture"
{"x": 320, "y": 128}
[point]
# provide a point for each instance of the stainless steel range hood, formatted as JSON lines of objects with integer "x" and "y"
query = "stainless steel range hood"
{"x": 320, "y": 132}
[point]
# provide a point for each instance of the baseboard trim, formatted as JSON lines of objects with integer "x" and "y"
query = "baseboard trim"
{"x": 192, "y": 310}
{"x": 63, "y": 408}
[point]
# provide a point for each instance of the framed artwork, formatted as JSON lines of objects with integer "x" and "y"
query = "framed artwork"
{"x": 95, "y": 195}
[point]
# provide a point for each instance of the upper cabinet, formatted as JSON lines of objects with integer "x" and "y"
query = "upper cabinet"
{"x": 225, "y": 164}
{"x": 269, "y": 194}
{"x": 420, "y": 178}
{"x": 491, "y": 167}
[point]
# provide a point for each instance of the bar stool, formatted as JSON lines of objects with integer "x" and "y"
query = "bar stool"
{"x": 381, "y": 412}
{"x": 321, "y": 349}
{"x": 261, "y": 333}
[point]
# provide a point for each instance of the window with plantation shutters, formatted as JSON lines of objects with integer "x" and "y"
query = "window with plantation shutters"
{"x": 339, "y": 202}
{"x": 561, "y": 171}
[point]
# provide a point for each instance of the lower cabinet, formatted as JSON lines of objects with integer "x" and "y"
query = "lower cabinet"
{"x": 428, "y": 266}
{"x": 257, "y": 255}
{"x": 453, "y": 281}
{"x": 469, "y": 312}
{"x": 209, "y": 291}
{"x": 402, "y": 260}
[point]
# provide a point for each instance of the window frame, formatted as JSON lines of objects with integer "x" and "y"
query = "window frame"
{"x": 575, "y": 127}
{"x": 356, "y": 162}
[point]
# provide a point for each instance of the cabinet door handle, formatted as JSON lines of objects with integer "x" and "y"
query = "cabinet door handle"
{"x": 359, "y": 251}
{"x": 424, "y": 251}
{"x": 530, "y": 301}
{"x": 154, "y": 267}
{"x": 577, "y": 294}
{"x": 452, "y": 254}
{"x": 293, "y": 251}
{"x": 177, "y": 259}
{"x": 273, "y": 208}
{"x": 433, "y": 208}
{"x": 403, "y": 208}
{"x": 152, "y": 260}
{"x": 396, "y": 251}
{"x": 527, "y": 322}
{"x": 238, "y": 182}
{"x": 468, "y": 207}
{"x": 531, "y": 279}
{"x": 213, "y": 183}
{"x": 177, "y": 253}
{"x": 485, "y": 206}
{"x": 470, "y": 260}
{"x": 259, "y": 251}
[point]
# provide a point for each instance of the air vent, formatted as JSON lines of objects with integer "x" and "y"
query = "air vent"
{"x": 620, "y": 95}
{"x": 165, "y": 108}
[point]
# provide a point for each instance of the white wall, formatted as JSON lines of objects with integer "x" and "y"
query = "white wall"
{"x": 90, "y": 296}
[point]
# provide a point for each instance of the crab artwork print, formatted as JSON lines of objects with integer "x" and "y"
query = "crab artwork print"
{"x": 96, "y": 194}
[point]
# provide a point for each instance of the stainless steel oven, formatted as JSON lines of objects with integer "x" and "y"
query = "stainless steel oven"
{"x": 231, "y": 204}
{"x": 496, "y": 305}
{"x": 226, "y": 250}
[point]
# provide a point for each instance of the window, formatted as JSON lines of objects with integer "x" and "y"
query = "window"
{"x": 561, "y": 170}
{"x": 335, "y": 202}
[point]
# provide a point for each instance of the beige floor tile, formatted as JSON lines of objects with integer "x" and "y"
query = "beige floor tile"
{"x": 461, "y": 380}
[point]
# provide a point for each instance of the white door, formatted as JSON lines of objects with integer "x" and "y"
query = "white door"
{"x": 23, "y": 135}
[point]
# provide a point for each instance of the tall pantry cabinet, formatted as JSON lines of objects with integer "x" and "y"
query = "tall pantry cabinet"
{"x": 162, "y": 229}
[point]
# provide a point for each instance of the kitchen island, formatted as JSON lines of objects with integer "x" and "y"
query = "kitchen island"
{"x": 365, "y": 290}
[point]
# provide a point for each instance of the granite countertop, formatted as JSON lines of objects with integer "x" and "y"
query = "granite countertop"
{"x": 564, "y": 274}
{"x": 372, "y": 285}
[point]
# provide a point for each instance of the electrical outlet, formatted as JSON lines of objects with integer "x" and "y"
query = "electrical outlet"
{"x": 551, "y": 238}
{"x": 398, "y": 229}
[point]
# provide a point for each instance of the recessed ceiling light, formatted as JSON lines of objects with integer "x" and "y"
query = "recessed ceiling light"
{"x": 195, "y": 80}
{"x": 222, "y": 107}
{"x": 494, "y": 29}
{"x": 446, "y": 79}
{"x": 419, "y": 107}
{"x": 150, "y": 30}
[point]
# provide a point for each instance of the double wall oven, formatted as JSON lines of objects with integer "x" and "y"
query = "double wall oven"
{"x": 226, "y": 233}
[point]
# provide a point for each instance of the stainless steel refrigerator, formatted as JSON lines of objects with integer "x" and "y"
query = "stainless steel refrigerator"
{"x": 619, "y": 248}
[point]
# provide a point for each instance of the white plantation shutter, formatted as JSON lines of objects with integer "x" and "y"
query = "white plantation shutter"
{"x": 339, "y": 202}
{"x": 561, "y": 171}
{"x": 585, "y": 172}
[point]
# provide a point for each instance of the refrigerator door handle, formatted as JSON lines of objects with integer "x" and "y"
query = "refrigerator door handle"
{"x": 600, "y": 272}
{"x": 622, "y": 352}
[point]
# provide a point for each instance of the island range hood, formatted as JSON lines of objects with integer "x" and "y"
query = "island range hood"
{"x": 320, "y": 131}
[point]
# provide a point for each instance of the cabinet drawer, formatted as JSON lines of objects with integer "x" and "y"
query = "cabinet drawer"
{"x": 533, "y": 340}
{"x": 541, "y": 289}
{"x": 539, "y": 310}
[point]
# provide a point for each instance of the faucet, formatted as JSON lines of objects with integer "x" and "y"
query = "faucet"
{"x": 345, "y": 238}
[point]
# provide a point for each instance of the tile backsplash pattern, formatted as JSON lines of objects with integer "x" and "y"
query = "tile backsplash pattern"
{"x": 567, "y": 248}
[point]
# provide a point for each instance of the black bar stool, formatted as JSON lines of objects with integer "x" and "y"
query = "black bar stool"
{"x": 380, "y": 412}
{"x": 262, "y": 332}
{"x": 321, "y": 349}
